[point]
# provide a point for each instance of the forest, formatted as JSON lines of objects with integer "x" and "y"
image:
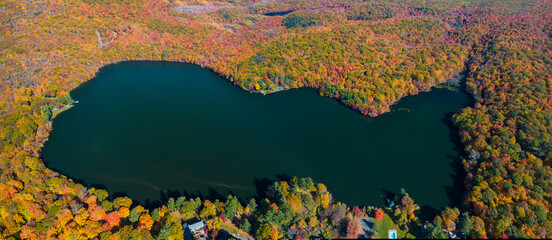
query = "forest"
{"x": 366, "y": 54}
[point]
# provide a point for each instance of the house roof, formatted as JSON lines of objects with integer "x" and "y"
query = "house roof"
{"x": 196, "y": 225}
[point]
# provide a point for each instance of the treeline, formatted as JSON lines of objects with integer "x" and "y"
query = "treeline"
{"x": 507, "y": 132}
{"x": 368, "y": 66}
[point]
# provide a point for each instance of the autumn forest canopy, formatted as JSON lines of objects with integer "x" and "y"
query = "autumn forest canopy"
{"x": 365, "y": 54}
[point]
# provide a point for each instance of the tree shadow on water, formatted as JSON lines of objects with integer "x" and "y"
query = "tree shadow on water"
{"x": 96, "y": 186}
{"x": 455, "y": 192}
{"x": 214, "y": 194}
{"x": 454, "y": 131}
{"x": 151, "y": 204}
{"x": 261, "y": 185}
{"x": 117, "y": 194}
{"x": 387, "y": 194}
{"x": 283, "y": 177}
{"x": 427, "y": 213}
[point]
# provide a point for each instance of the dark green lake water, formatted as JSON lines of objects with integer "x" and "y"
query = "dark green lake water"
{"x": 143, "y": 128}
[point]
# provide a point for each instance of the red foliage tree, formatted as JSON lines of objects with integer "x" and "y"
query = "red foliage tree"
{"x": 378, "y": 214}
{"x": 354, "y": 229}
{"x": 356, "y": 211}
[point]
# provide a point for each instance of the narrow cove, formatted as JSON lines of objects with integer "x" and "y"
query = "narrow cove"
{"x": 148, "y": 128}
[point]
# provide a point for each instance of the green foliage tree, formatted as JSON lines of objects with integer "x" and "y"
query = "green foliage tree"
{"x": 134, "y": 215}
{"x": 165, "y": 232}
{"x": 232, "y": 205}
{"x": 465, "y": 224}
{"x": 179, "y": 202}
{"x": 245, "y": 226}
{"x": 171, "y": 205}
{"x": 404, "y": 212}
{"x": 434, "y": 231}
{"x": 252, "y": 205}
{"x": 155, "y": 214}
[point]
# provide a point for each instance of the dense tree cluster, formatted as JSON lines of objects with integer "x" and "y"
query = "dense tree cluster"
{"x": 367, "y": 65}
{"x": 507, "y": 133}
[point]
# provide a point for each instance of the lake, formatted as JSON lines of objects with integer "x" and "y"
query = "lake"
{"x": 282, "y": 13}
{"x": 152, "y": 129}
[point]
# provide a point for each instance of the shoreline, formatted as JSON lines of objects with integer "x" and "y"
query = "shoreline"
{"x": 169, "y": 68}
{"x": 55, "y": 113}
{"x": 455, "y": 81}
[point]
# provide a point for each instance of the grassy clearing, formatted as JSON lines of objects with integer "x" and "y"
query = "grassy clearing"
{"x": 231, "y": 228}
{"x": 381, "y": 226}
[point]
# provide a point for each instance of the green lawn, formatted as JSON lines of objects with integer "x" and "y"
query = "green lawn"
{"x": 231, "y": 228}
{"x": 384, "y": 224}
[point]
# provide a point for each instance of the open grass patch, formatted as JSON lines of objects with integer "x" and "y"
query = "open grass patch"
{"x": 381, "y": 227}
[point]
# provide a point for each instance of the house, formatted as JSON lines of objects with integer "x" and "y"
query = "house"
{"x": 196, "y": 229}
{"x": 367, "y": 223}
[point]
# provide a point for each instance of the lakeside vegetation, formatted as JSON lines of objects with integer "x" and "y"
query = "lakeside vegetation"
{"x": 365, "y": 54}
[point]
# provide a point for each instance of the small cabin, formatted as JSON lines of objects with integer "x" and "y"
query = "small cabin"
{"x": 195, "y": 229}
